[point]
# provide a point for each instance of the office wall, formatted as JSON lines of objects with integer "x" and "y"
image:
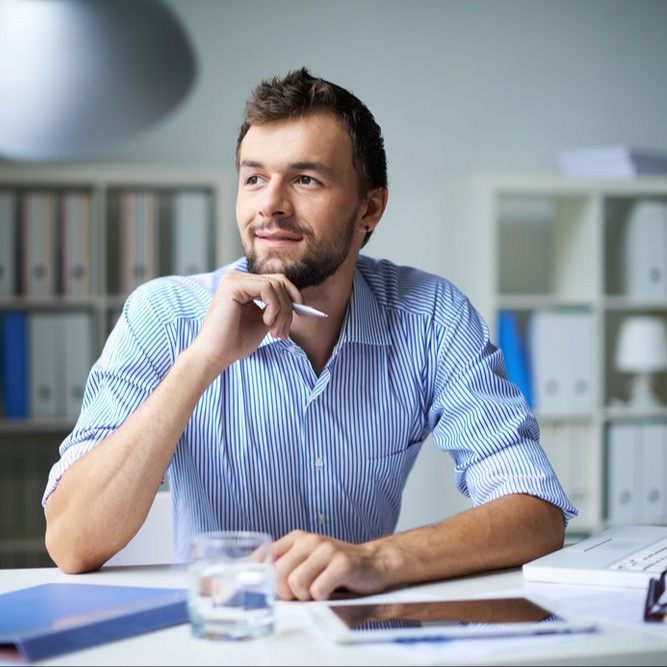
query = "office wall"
{"x": 458, "y": 86}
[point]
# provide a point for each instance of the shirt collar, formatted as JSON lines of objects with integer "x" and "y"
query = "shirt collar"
{"x": 365, "y": 321}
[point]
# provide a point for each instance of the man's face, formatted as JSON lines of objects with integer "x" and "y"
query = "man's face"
{"x": 297, "y": 206}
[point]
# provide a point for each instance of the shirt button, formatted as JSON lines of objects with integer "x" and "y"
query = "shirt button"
{"x": 319, "y": 463}
{"x": 322, "y": 518}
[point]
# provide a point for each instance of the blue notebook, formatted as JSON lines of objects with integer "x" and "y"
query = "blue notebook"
{"x": 51, "y": 619}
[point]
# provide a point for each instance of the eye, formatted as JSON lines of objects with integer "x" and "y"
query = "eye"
{"x": 253, "y": 181}
{"x": 306, "y": 180}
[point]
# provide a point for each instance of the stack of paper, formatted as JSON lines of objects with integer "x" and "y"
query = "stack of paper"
{"x": 613, "y": 161}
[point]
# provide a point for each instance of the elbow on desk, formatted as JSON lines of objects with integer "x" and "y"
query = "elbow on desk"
{"x": 69, "y": 556}
{"x": 71, "y": 561}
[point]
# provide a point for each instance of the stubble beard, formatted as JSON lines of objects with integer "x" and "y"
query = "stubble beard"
{"x": 314, "y": 267}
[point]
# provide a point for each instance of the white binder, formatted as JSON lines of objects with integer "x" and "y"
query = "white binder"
{"x": 645, "y": 248}
{"x": 76, "y": 230}
{"x": 652, "y": 457}
{"x": 561, "y": 349}
{"x": 77, "y": 355}
{"x": 190, "y": 232}
{"x": 38, "y": 238}
{"x": 623, "y": 472}
{"x": 61, "y": 354}
{"x": 547, "y": 356}
{"x": 580, "y": 389}
{"x": 138, "y": 220}
{"x": 44, "y": 364}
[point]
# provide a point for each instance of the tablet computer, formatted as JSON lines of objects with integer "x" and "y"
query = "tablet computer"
{"x": 442, "y": 619}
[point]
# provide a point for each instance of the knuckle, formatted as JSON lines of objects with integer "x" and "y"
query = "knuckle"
{"x": 297, "y": 587}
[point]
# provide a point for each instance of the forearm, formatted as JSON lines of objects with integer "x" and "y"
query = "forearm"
{"x": 502, "y": 533}
{"x": 103, "y": 498}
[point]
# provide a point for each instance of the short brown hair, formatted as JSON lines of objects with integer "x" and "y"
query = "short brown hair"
{"x": 300, "y": 94}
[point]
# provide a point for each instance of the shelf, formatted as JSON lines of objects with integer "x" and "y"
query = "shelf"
{"x": 547, "y": 247}
{"x": 617, "y": 413}
{"x": 74, "y": 241}
{"x": 533, "y": 301}
{"x": 12, "y": 426}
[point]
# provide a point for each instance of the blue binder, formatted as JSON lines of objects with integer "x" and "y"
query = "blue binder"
{"x": 51, "y": 619}
{"x": 14, "y": 363}
{"x": 516, "y": 357}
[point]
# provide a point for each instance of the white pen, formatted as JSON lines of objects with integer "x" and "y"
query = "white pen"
{"x": 298, "y": 308}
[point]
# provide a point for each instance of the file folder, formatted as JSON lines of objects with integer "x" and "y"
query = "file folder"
{"x": 44, "y": 361}
{"x": 561, "y": 349}
{"x": 8, "y": 245}
{"x": 38, "y": 238}
{"x": 190, "y": 237}
{"x": 77, "y": 356}
{"x": 52, "y": 619}
{"x": 515, "y": 354}
{"x": 76, "y": 233}
{"x": 645, "y": 248}
{"x": 623, "y": 472}
{"x": 14, "y": 363}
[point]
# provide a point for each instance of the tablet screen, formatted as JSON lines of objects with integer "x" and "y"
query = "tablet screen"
{"x": 442, "y": 613}
{"x": 441, "y": 619}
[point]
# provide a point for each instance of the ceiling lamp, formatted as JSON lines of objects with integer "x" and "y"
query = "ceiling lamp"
{"x": 78, "y": 76}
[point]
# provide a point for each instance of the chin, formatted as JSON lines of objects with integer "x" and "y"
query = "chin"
{"x": 267, "y": 264}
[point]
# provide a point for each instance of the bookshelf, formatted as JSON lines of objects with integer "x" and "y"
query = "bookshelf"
{"x": 554, "y": 254}
{"x": 74, "y": 241}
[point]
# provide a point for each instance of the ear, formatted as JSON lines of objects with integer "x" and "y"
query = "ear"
{"x": 373, "y": 209}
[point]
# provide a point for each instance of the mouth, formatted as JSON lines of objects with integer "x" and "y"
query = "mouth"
{"x": 275, "y": 242}
{"x": 277, "y": 237}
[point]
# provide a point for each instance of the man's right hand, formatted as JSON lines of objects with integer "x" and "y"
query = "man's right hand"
{"x": 235, "y": 326}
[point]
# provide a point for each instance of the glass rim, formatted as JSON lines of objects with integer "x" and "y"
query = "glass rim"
{"x": 247, "y": 535}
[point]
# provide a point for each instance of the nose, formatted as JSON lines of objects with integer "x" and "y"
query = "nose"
{"x": 275, "y": 201}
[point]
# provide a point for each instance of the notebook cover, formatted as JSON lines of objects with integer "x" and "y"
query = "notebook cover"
{"x": 51, "y": 619}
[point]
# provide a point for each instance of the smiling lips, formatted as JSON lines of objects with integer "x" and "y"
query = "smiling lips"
{"x": 278, "y": 236}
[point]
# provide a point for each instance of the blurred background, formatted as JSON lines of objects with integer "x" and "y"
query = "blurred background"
{"x": 458, "y": 86}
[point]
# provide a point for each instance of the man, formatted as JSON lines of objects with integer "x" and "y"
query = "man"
{"x": 305, "y": 427}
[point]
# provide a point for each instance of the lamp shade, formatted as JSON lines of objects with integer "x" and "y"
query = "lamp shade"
{"x": 77, "y": 76}
{"x": 642, "y": 345}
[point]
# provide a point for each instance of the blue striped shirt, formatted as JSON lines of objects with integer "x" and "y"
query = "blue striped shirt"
{"x": 272, "y": 446}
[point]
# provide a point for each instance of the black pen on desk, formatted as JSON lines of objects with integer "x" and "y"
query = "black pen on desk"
{"x": 298, "y": 308}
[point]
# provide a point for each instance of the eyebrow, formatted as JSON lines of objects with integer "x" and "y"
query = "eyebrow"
{"x": 304, "y": 165}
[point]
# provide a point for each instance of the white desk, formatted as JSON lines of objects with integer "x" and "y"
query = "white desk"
{"x": 299, "y": 642}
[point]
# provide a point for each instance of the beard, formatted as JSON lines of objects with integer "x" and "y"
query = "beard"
{"x": 315, "y": 266}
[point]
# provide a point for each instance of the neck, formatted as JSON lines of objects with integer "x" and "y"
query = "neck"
{"x": 318, "y": 336}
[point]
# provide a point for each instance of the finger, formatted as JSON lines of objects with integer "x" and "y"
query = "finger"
{"x": 301, "y": 579}
{"x": 327, "y": 570}
{"x": 305, "y": 569}
{"x": 290, "y": 553}
{"x": 283, "y": 544}
{"x": 278, "y": 313}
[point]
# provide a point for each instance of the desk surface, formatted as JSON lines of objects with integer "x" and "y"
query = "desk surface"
{"x": 622, "y": 638}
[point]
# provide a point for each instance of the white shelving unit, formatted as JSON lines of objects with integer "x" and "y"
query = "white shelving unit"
{"x": 29, "y": 443}
{"x": 527, "y": 244}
